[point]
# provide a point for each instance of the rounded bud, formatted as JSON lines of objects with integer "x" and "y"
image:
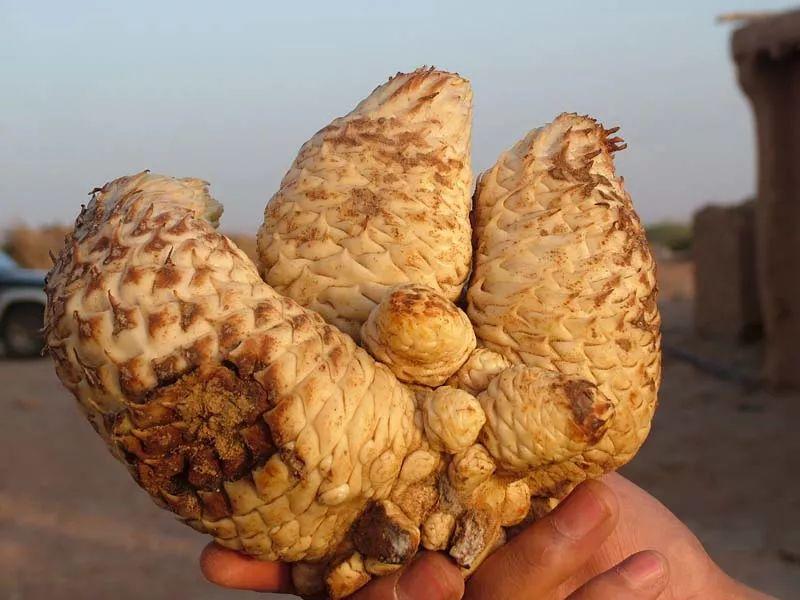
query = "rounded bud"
{"x": 419, "y": 334}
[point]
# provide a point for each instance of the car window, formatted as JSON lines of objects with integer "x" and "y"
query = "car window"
{"x": 6, "y": 262}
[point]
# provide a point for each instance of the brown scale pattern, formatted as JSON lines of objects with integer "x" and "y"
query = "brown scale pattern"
{"x": 259, "y": 423}
{"x": 234, "y": 407}
{"x": 378, "y": 198}
{"x": 247, "y": 415}
{"x": 564, "y": 282}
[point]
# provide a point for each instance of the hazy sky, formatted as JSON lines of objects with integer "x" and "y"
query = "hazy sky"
{"x": 228, "y": 91}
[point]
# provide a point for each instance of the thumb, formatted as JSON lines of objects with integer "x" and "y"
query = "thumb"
{"x": 431, "y": 576}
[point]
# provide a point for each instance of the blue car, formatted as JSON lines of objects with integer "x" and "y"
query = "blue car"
{"x": 22, "y": 302}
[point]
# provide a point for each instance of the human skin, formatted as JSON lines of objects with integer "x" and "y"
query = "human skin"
{"x": 643, "y": 522}
{"x": 597, "y": 544}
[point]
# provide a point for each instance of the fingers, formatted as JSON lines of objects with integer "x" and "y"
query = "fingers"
{"x": 641, "y": 576}
{"x": 230, "y": 569}
{"x": 431, "y": 576}
{"x": 538, "y": 560}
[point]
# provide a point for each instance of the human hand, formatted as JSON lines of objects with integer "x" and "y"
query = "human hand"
{"x": 549, "y": 558}
{"x": 430, "y": 576}
{"x": 643, "y": 523}
{"x": 556, "y": 547}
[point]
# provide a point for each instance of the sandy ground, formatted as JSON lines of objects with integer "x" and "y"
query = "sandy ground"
{"x": 72, "y": 524}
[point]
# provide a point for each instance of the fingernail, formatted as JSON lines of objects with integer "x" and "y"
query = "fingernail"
{"x": 642, "y": 569}
{"x": 582, "y": 512}
{"x": 425, "y": 578}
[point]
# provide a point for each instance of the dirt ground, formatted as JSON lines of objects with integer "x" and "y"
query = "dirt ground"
{"x": 722, "y": 455}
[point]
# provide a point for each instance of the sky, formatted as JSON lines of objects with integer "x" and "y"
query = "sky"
{"x": 229, "y": 91}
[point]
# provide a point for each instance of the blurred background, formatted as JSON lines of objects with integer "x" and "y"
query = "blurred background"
{"x": 228, "y": 92}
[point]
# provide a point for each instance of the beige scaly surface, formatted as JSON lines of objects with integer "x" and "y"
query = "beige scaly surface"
{"x": 420, "y": 335}
{"x": 257, "y": 422}
{"x": 380, "y": 197}
{"x": 564, "y": 281}
{"x": 238, "y": 409}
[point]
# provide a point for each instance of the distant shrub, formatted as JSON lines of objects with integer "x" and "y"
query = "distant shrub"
{"x": 30, "y": 247}
{"x": 675, "y": 236}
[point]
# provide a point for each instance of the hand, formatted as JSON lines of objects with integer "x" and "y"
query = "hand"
{"x": 549, "y": 559}
{"x": 430, "y": 576}
{"x": 538, "y": 562}
{"x": 646, "y": 523}
{"x": 643, "y": 523}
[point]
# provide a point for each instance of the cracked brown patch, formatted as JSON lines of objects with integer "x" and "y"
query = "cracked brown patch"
{"x": 192, "y": 436}
{"x": 160, "y": 439}
{"x": 294, "y": 462}
{"x": 215, "y": 504}
{"x": 205, "y": 471}
{"x": 419, "y": 499}
{"x": 149, "y": 415}
{"x": 384, "y": 536}
{"x": 183, "y": 504}
{"x": 168, "y": 369}
{"x": 589, "y": 408}
{"x": 474, "y": 532}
